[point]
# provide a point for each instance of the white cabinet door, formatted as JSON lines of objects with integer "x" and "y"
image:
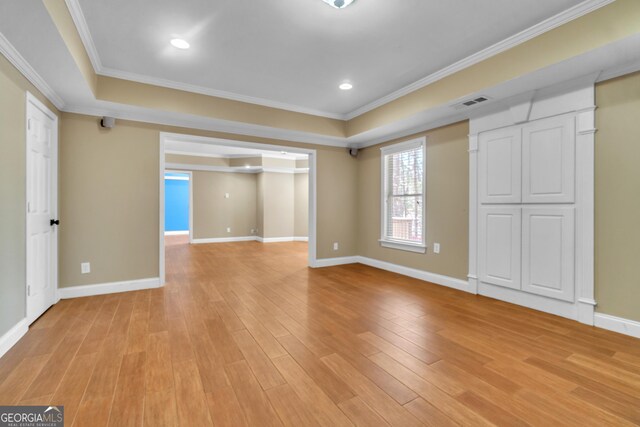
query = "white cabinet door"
{"x": 548, "y": 160}
{"x": 500, "y": 246}
{"x": 500, "y": 166}
{"x": 548, "y": 257}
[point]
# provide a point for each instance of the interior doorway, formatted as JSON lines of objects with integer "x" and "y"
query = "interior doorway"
{"x": 241, "y": 191}
{"x": 178, "y": 203}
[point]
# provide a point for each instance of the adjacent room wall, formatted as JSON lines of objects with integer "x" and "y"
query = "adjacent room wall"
{"x": 617, "y": 197}
{"x": 213, "y": 213}
{"x": 278, "y": 205}
{"x": 13, "y": 158}
{"x": 447, "y": 203}
{"x": 301, "y": 205}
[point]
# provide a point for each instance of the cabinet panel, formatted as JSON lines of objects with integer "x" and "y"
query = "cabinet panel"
{"x": 500, "y": 246}
{"x": 548, "y": 161}
{"x": 548, "y": 257}
{"x": 499, "y": 168}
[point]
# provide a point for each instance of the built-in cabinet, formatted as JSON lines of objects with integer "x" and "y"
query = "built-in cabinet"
{"x": 531, "y": 204}
{"x": 527, "y": 239}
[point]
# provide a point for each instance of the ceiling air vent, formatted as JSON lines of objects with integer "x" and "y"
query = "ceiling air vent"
{"x": 470, "y": 102}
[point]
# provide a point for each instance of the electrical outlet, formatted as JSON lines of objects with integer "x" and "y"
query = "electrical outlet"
{"x": 228, "y": 229}
{"x": 85, "y": 268}
{"x": 253, "y": 231}
{"x": 336, "y": 246}
{"x": 436, "y": 248}
{"x": 226, "y": 195}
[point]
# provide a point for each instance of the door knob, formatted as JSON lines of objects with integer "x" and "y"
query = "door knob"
{"x": 54, "y": 222}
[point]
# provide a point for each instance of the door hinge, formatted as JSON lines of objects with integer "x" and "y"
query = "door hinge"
{"x": 28, "y": 290}
{"x": 28, "y": 124}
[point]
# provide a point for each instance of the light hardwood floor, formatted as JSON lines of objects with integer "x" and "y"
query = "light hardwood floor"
{"x": 246, "y": 334}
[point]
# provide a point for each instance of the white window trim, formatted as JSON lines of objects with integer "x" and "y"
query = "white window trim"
{"x": 400, "y": 244}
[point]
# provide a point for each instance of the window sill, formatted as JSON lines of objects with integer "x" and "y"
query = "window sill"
{"x": 409, "y": 247}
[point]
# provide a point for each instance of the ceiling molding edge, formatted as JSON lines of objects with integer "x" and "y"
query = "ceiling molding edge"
{"x": 136, "y": 114}
{"x": 21, "y": 64}
{"x": 85, "y": 35}
{"x": 234, "y": 169}
{"x": 170, "y": 84}
{"x": 549, "y": 24}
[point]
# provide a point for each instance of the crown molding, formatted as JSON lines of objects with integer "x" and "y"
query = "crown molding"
{"x": 549, "y": 24}
{"x": 85, "y": 35}
{"x": 170, "y": 84}
{"x": 18, "y": 61}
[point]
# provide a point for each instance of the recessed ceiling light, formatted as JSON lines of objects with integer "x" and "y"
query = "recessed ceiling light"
{"x": 346, "y": 86}
{"x": 180, "y": 43}
{"x": 339, "y": 4}
{"x": 283, "y": 152}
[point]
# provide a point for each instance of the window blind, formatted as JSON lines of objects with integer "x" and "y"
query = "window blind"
{"x": 404, "y": 209}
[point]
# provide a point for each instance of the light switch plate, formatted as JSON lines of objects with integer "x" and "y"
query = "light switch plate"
{"x": 436, "y": 248}
{"x": 226, "y": 195}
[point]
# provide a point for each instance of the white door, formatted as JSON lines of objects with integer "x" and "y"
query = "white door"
{"x": 548, "y": 257}
{"x": 500, "y": 242}
{"x": 499, "y": 169}
{"x": 42, "y": 132}
{"x": 548, "y": 160}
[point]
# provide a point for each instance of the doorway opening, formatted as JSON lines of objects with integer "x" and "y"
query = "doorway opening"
{"x": 178, "y": 205}
{"x": 238, "y": 192}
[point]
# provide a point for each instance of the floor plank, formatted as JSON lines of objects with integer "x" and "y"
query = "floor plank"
{"x": 245, "y": 334}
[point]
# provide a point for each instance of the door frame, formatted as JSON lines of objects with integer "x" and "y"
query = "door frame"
{"x": 190, "y": 173}
{"x": 166, "y": 136}
{"x": 35, "y": 102}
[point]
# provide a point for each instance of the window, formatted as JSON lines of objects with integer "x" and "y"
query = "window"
{"x": 403, "y": 185}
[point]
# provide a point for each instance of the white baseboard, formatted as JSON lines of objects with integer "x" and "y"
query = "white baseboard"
{"x": 11, "y": 337}
{"x": 301, "y": 239}
{"x": 330, "y": 262}
{"x": 617, "y": 324}
{"x": 275, "y": 239}
{"x": 536, "y": 302}
{"x": 176, "y": 233}
{"x": 108, "y": 288}
{"x": 439, "y": 279}
{"x": 224, "y": 239}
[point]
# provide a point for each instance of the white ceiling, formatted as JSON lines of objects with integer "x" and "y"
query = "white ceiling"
{"x": 174, "y": 146}
{"x": 296, "y": 52}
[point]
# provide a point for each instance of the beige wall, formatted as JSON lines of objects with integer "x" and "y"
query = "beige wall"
{"x": 278, "y": 205}
{"x": 301, "y": 205}
{"x": 196, "y": 160}
{"x": 246, "y": 161}
{"x": 447, "y": 215}
{"x": 108, "y": 201}
{"x": 213, "y": 213}
{"x": 13, "y": 264}
{"x": 617, "y": 198}
{"x": 109, "y": 192}
{"x": 270, "y": 162}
